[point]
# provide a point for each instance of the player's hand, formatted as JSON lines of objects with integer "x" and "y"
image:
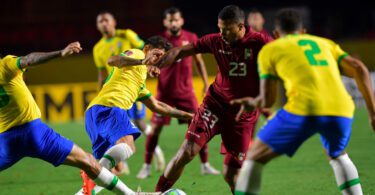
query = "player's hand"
{"x": 247, "y": 104}
{"x": 153, "y": 56}
{"x": 188, "y": 116}
{"x": 72, "y": 48}
{"x": 153, "y": 71}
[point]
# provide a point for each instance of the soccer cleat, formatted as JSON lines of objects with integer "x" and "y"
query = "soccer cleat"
{"x": 159, "y": 159}
{"x": 88, "y": 184}
{"x": 144, "y": 172}
{"x": 207, "y": 169}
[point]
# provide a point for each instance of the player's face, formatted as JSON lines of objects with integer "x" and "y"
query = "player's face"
{"x": 173, "y": 22}
{"x": 230, "y": 31}
{"x": 256, "y": 21}
{"x": 105, "y": 23}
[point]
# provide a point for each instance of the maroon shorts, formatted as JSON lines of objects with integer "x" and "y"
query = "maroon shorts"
{"x": 188, "y": 104}
{"x": 215, "y": 117}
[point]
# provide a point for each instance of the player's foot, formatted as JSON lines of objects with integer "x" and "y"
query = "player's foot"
{"x": 159, "y": 159}
{"x": 88, "y": 184}
{"x": 207, "y": 169}
{"x": 144, "y": 172}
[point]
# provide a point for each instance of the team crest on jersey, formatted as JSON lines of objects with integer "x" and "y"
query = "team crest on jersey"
{"x": 128, "y": 53}
{"x": 119, "y": 44}
{"x": 185, "y": 42}
{"x": 248, "y": 53}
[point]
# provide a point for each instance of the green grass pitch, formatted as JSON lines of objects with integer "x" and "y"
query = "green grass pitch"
{"x": 308, "y": 172}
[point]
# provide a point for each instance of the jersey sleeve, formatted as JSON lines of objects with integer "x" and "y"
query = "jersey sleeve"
{"x": 99, "y": 62}
{"x": 144, "y": 94}
{"x": 134, "y": 39}
{"x": 204, "y": 44}
{"x": 339, "y": 53}
{"x": 266, "y": 68}
{"x": 10, "y": 67}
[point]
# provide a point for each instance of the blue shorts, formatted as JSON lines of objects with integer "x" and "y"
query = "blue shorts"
{"x": 137, "y": 111}
{"x": 105, "y": 125}
{"x": 286, "y": 132}
{"x": 33, "y": 139}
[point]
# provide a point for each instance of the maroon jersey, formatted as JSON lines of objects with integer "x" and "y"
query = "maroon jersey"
{"x": 237, "y": 76}
{"x": 175, "y": 81}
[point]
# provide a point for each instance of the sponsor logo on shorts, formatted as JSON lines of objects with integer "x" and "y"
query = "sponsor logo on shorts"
{"x": 192, "y": 133}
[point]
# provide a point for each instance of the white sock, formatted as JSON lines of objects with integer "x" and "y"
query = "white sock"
{"x": 115, "y": 154}
{"x": 111, "y": 182}
{"x": 148, "y": 130}
{"x": 249, "y": 179}
{"x": 346, "y": 175}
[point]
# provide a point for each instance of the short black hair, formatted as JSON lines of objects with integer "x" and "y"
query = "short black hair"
{"x": 233, "y": 13}
{"x": 288, "y": 20}
{"x": 158, "y": 42}
{"x": 171, "y": 11}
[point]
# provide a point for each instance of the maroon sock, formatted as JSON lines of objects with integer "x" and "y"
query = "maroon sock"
{"x": 203, "y": 154}
{"x": 164, "y": 184}
{"x": 151, "y": 142}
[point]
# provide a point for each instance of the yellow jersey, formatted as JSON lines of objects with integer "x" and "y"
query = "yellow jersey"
{"x": 107, "y": 47}
{"x": 17, "y": 105}
{"x": 309, "y": 68}
{"x": 124, "y": 85}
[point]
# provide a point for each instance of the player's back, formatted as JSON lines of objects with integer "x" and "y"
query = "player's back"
{"x": 308, "y": 66}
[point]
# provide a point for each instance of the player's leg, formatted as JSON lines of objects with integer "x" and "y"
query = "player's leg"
{"x": 335, "y": 136}
{"x": 282, "y": 134}
{"x": 206, "y": 167}
{"x": 174, "y": 169}
{"x": 200, "y": 131}
{"x": 102, "y": 176}
{"x": 151, "y": 144}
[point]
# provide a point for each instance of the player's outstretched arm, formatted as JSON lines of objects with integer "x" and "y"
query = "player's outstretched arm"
{"x": 174, "y": 54}
{"x": 266, "y": 98}
{"x": 355, "y": 69}
{"x": 151, "y": 58}
{"x": 36, "y": 58}
{"x": 164, "y": 109}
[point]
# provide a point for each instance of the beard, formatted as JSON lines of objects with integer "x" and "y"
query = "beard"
{"x": 174, "y": 31}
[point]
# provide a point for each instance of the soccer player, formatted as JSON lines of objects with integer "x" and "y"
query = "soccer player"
{"x": 23, "y": 134}
{"x": 113, "y": 42}
{"x": 176, "y": 78}
{"x": 111, "y": 132}
{"x": 318, "y": 102}
{"x": 235, "y": 49}
{"x": 256, "y": 21}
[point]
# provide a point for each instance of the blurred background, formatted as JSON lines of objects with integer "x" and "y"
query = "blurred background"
{"x": 44, "y": 25}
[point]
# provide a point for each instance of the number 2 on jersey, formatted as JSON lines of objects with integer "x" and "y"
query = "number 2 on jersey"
{"x": 310, "y": 53}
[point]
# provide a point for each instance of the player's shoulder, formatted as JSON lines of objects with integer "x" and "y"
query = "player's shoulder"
{"x": 124, "y": 33}
{"x": 9, "y": 58}
{"x": 98, "y": 44}
{"x": 212, "y": 37}
{"x": 134, "y": 53}
{"x": 188, "y": 33}
{"x": 252, "y": 35}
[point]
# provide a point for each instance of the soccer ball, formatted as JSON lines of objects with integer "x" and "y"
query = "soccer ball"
{"x": 174, "y": 192}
